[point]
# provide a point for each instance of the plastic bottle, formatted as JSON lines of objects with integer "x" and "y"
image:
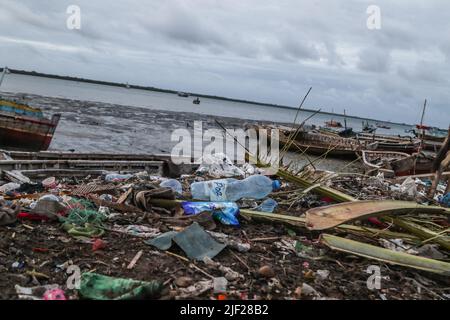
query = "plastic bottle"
{"x": 115, "y": 177}
{"x": 267, "y": 205}
{"x": 9, "y": 187}
{"x": 173, "y": 184}
{"x": 225, "y": 212}
{"x": 253, "y": 187}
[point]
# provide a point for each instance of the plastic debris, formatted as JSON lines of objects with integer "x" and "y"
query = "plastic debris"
{"x": 99, "y": 287}
{"x": 8, "y": 213}
{"x": 197, "y": 244}
{"x": 9, "y": 187}
{"x": 225, "y": 212}
{"x": 220, "y": 285}
{"x": 445, "y": 200}
{"x": 268, "y": 205}
{"x": 219, "y": 166}
{"x": 54, "y": 294}
{"x": 138, "y": 230}
{"x": 98, "y": 244}
{"x": 194, "y": 241}
{"x": 116, "y": 177}
{"x": 35, "y": 293}
{"x": 49, "y": 183}
{"x": 173, "y": 184}
{"x": 253, "y": 187}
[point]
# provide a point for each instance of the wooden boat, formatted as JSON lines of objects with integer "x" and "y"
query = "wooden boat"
{"x": 382, "y": 126}
{"x": 391, "y": 143}
{"x": 333, "y": 124}
{"x": 366, "y": 127}
{"x": 433, "y": 146}
{"x": 317, "y": 143}
{"x": 390, "y": 163}
{"x": 396, "y": 163}
{"x": 183, "y": 94}
{"x": 432, "y": 134}
{"x": 25, "y": 128}
{"x": 424, "y": 163}
{"x": 346, "y": 133}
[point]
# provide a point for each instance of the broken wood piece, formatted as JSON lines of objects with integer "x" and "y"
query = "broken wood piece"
{"x": 327, "y": 217}
{"x": 125, "y": 196}
{"x": 301, "y": 223}
{"x": 322, "y": 190}
{"x": 386, "y": 255}
{"x": 135, "y": 260}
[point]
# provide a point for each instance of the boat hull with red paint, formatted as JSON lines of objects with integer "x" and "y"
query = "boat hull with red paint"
{"x": 26, "y": 133}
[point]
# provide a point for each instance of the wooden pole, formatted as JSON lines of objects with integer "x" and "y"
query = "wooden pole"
{"x": 345, "y": 120}
{"x": 441, "y": 163}
{"x": 5, "y": 69}
{"x": 421, "y": 125}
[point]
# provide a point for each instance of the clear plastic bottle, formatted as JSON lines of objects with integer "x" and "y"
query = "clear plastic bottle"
{"x": 267, "y": 205}
{"x": 116, "y": 177}
{"x": 253, "y": 187}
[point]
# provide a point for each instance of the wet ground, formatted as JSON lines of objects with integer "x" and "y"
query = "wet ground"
{"x": 108, "y": 128}
{"x": 44, "y": 247}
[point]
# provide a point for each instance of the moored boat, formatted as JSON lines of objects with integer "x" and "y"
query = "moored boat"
{"x": 396, "y": 163}
{"x": 320, "y": 144}
{"x": 383, "y": 126}
{"x": 333, "y": 124}
{"x": 25, "y": 128}
{"x": 391, "y": 143}
{"x": 183, "y": 94}
{"x": 389, "y": 163}
{"x": 366, "y": 127}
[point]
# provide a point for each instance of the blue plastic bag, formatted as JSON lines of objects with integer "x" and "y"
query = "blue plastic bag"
{"x": 225, "y": 212}
{"x": 445, "y": 200}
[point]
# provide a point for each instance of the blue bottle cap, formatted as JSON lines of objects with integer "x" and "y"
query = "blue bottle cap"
{"x": 276, "y": 185}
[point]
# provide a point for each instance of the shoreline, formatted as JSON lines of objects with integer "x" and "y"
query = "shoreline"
{"x": 155, "y": 89}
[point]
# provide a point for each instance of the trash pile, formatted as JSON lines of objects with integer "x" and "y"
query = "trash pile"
{"x": 224, "y": 232}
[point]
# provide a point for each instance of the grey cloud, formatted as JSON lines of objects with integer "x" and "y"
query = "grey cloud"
{"x": 374, "y": 60}
{"x": 254, "y": 49}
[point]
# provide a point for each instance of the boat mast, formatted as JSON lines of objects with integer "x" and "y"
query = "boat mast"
{"x": 345, "y": 120}
{"x": 421, "y": 123}
{"x": 423, "y": 113}
{"x": 5, "y": 70}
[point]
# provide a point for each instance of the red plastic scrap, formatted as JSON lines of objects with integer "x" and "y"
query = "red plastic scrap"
{"x": 31, "y": 216}
{"x": 98, "y": 244}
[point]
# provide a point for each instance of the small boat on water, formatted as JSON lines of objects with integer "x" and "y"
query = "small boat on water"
{"x": 333, "y": 124}
{"x": 346, "y": 133}
{"x": 369, "y": 128}
{"x": 183, "y": 94}
{"x": 196, "y": 101}
{"x": 25, "y": 128}
{"x": 432, "y": 134}
{"x": 383, "y": 126}
{"x": 391, "y": 143}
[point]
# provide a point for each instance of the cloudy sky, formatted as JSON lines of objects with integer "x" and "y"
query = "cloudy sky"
{"x": 270, "y": 51}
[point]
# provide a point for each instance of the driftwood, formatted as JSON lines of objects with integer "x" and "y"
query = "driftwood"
{"x": 386, "y": 255}
{"x": 328, "y": 217}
